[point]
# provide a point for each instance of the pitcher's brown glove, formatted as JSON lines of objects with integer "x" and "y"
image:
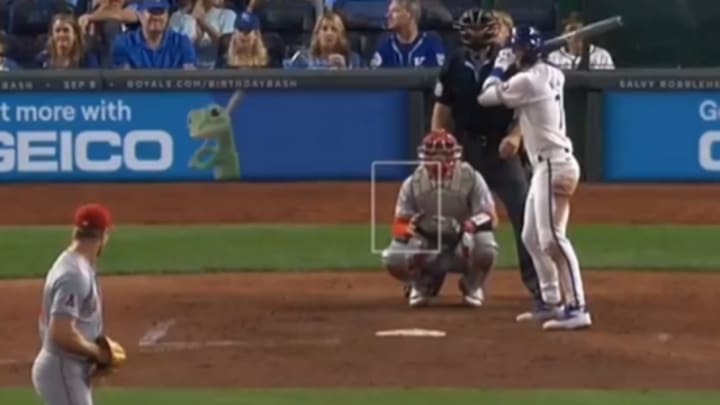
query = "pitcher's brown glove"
{"x": 112, "y": 351}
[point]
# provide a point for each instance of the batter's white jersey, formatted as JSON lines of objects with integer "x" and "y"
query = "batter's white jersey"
{"x": 536, "y": 95}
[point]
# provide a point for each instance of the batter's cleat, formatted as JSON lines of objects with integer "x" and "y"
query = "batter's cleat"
{"x": 418, "y": 298}
{"x": 541, "y": 313}
{"x": 473, "y": 297}
{"x": 571, "y": 319}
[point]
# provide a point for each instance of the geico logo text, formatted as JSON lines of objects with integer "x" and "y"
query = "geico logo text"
{"x": 61, "y": 151}
{"x": 705, "y": 151}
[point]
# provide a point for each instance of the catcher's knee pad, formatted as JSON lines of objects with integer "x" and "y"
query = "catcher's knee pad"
{"x": 482, "y": 257}
{"x": 399, "y": 259}
{"x": 482, "y": 249}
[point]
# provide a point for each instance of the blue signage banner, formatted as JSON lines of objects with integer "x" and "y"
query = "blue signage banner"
{"x": 652, "y": 136}
{"x": 173, "y": 136}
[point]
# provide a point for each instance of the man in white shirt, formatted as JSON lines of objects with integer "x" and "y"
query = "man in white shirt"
{"x": 569, "y": 57}
{"x": 204, "y": 24}
{"x": 536, "y": 94}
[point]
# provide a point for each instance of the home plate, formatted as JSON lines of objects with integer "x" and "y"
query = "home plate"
{"x": 411, "y": 333}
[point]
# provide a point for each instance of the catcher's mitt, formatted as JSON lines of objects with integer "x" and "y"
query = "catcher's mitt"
{"x": 439, "y": 231}
{"x": 115, "y": 353}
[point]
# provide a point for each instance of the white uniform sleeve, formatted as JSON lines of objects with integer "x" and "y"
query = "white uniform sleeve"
{"x": 406, "y": 206}
{"x": 515, "y": 92}
{"x": 603, "y": 60}
{"x": 68, "y": 292}
{"x": 481, "y": 199}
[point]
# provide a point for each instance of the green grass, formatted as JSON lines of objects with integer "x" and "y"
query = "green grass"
{"x": 136, "y": 249}
{"x": 380, "y": 397}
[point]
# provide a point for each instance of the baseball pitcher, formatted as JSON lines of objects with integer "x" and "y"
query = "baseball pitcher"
{"x": 536, "y": 94}
{"x": 431, "y": 239}
{"x": 74, "y": 352}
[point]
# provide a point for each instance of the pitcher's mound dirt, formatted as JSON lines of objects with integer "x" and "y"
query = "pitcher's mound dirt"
{"x": 651, "y": 329}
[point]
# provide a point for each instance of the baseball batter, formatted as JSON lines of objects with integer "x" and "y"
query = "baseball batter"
{"x": 536, "y": 94}
{"x": 74, "y": 350}
{"x": 469, "y": 249}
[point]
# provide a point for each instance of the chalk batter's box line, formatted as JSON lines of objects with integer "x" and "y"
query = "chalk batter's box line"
{"x": 373, "y": 209}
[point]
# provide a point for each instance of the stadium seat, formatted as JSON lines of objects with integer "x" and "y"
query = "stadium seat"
{"x": 540, "y": 13}
{"x": 287, "y": 18}
{"x": 435, "y": 16}
{"x": 362, "y": 14}
{"x": 451, "y": 40}
{"x": 457, "y": 7}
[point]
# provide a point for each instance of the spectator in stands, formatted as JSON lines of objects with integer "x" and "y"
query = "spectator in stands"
{"x": 246, "y": 49}
{"x": 6, "y": 63}
{"x": 108, "y": 19}
{"x": 204, "y": 22}
{"x": 66, "y": 46}
{"x": 329, "y": 47}
{"x": 153, "y": 46}
{"x": 407, "y": 46}
{"x": 505, "y": 28}
{"x": 570, "y": 56}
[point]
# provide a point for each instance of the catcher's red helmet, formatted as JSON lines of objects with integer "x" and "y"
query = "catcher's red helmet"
{"x": 440, "y": 146}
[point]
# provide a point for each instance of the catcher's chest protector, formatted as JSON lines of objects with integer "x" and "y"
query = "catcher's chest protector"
{"x": 455, "y": 195}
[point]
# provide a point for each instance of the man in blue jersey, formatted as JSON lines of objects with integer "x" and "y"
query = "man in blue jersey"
{"x": 406, "y": 46}
{"x": 153, "y": 45}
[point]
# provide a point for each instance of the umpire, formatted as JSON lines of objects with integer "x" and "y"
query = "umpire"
{"x": 489, "y": 135}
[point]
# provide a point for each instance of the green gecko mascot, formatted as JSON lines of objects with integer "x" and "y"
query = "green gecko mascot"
{"x": 214, "y": 123}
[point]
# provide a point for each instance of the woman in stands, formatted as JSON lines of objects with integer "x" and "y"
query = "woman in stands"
{"x": 329, "y": 48}
{"x": 66, "y": 46}
{"x": 505, "y": 28}
{"x": 246, "y": 48}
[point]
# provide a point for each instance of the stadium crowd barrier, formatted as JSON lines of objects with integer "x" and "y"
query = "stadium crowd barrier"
{"x": 276, "y": 125}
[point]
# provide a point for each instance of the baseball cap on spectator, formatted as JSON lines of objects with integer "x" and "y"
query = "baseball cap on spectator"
{"x": 246, "y": 22}
{"x": 92, "y": 216}
{"x": 154, "y": 5}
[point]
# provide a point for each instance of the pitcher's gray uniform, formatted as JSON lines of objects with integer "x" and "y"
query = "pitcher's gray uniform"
{"x": 464, "y": 194}
{"x": 71, "y": 290}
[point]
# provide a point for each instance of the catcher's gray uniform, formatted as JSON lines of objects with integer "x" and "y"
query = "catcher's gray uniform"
{"x": 463, "y": 196}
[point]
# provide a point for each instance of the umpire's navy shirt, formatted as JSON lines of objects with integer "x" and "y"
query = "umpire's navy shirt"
{"x": 131, "y": 50}
{"x": 458, "y": 86}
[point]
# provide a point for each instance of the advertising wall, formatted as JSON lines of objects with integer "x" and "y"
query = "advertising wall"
{"x": 201, "y": 135}
{"x": 662, "y": 136}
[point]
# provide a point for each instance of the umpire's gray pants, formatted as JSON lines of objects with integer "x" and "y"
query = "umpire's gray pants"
{"x": 61, "y": 380}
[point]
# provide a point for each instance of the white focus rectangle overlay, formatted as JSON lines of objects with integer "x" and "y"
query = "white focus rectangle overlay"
{"x": 374, "y": 249}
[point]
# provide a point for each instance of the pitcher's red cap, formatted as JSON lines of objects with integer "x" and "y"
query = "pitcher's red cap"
{"x": 92, "y": 216}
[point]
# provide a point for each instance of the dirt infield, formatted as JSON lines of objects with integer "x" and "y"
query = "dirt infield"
{"x": 252, "y": 330}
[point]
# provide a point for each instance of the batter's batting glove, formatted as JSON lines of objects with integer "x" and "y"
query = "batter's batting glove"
{"x": 503, "y": 61}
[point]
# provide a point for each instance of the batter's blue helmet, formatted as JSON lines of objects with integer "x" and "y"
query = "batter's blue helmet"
{"x": 527, "y": 37}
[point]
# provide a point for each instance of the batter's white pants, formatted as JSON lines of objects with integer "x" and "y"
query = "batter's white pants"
{"x": 544, "y": 231}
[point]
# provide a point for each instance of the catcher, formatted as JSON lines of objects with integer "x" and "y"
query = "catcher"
{"x": 75, "y": 354}
{"x": 427, "y": 244}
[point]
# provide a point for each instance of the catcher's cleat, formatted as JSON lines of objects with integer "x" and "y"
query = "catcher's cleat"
{"x": 418, "y": 298}
{"x": 473, "y": 297}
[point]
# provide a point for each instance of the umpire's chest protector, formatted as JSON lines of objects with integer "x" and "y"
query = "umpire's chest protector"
{"x": 454, "y": 192}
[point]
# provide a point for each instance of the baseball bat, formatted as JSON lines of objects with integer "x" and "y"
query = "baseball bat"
{"x": 588, "y": 31}
{"x": 235, "y": 100}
